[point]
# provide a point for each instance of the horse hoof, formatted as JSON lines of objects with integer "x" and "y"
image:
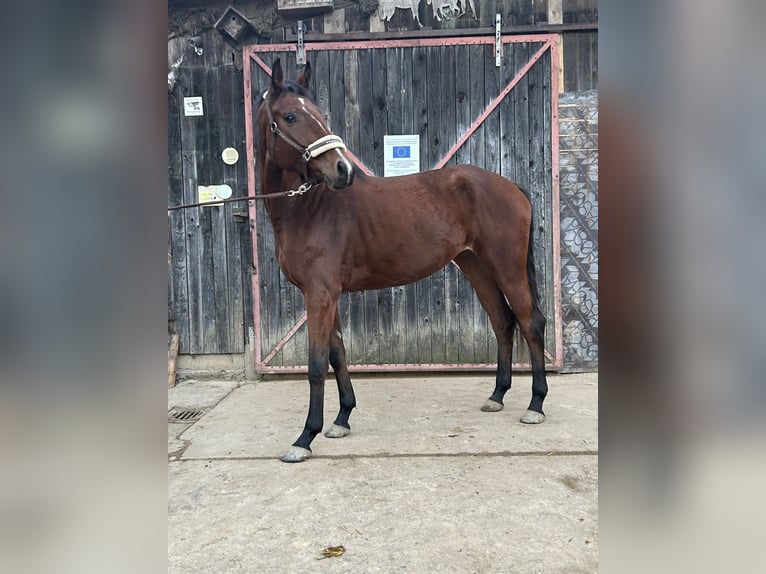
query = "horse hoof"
{"x": 337, "y": 431}
{"x": 532, "y": 417}
{"x": 492, "y": 406}
{"x": 296, "y": 454}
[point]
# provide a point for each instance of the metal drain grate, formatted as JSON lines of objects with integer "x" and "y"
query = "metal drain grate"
{"x": 177, "y": 414}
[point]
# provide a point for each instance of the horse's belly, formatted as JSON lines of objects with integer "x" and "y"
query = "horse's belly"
{"x": 395, "y": 268}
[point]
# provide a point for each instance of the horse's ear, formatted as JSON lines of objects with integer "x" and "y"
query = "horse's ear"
{"x": 305, "y": 78}
{"x": 277, "y": 77}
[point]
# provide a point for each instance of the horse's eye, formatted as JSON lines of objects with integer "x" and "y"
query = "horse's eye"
{"x": 290, "y": 119}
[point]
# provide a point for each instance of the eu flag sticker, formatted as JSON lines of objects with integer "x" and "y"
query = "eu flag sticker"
{"x": 401, "y": 151}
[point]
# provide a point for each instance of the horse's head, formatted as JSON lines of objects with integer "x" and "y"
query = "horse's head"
{"x": 297, "y": 137}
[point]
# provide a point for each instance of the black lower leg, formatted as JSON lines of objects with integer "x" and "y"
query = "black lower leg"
{"x": 345, "y": 389}
{"x": 503, "y": 379}
{"x": 504, "y": 355}
{"x": 537, "y": 349}
{"x": 314, "y": 420}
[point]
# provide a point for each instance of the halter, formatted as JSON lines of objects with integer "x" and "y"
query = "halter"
{"x": 320, "y": 146}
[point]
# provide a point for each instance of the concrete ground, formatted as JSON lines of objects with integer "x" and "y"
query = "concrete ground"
{"x": 425, "y": 482}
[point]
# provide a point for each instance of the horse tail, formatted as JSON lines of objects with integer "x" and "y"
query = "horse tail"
{"x": 531, "y": 268}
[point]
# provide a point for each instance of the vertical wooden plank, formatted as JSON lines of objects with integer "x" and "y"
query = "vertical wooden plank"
{"x": 436, "y": 149}
{"x": 394, "y": 88}
{"x": 231, "y": 137}
{"x": 570, "y": 56}
{"x": 506, "y": 111}
{"x": 189, "y": 85}
{"x": 421, "y": 104}
{"x": 541, "y": 10}
{"x": 365, "y": 98}
{"x": 463, "y": 120}
{"x": 449, "y": 135}
{"x": 337, "y": 84}
{"x": 521, "y": 138}
{"x": 556, "y": 16}
{"x": 516, "y": 12}
{"x": 176, "y": 221}
{"x": 335, "y": 21}
{"x": 584, "y": 45}
{"x": 207, "y": 215}
{"x": 432, "y": 141}
{"x": 393, "y": 345}
{"x": 351, "y": 121}
{"x": 380, "y": 83}
{"x": 544, "y": 247}
{"x": 477, "y": 141}
{"x": 379, "y": 107}
{"x": 492, "y": 123}
{"x": 594, "y": 60}
{"x": 367, "y": 137}
{"x": 243, "y": 229}
{"x": 258, "y": 80}
{"x": 520, "y": 99}
{"x": 269, "y": 275}
{"x": 356, "y": 336}
{"x": 409, "y": 126}
{"x": 337, "y": 123}
{"x": 291, "y": 300}
{"x": 320, "y": 70}
{"x": 218, "y": 223}
{"x": 492, "y": 151}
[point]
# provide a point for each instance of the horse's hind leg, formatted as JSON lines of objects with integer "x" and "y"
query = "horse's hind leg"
{"x": 532, "y": 326}
{"x": 340, "y": 427}
{"x": 511, "y": 276}
{"x": 502, "y": 319}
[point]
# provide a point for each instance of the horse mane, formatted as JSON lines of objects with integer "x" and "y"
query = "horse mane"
{"x": 296, "y": 88}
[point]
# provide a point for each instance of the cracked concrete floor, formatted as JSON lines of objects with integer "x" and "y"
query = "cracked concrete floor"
{"x": 425, "y": 482}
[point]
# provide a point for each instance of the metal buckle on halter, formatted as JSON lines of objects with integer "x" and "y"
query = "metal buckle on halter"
{"x": 323, "y": 144}
{"x": 274, "y": 127}
{"x": 302, "y": 188}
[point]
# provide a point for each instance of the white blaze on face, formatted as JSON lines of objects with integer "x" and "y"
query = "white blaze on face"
{"x": 341, "y": 156}
{"x": 308, "y": 113}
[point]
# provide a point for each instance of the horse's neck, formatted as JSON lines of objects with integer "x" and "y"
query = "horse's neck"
{"x": 282, "y": 210}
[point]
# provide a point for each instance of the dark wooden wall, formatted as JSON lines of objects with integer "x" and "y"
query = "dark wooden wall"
{"x": 209, "y": 275}
{"x": 209, "y": 256}
{"x": 436, "y": 92}
{"x": 580, "y": 48}
{"x": 353, "y": 16}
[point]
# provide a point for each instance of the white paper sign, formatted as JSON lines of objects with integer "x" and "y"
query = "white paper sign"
{"x": 193, "y": 106}
{"x": 401, "y": 155}
{"x": 212, "y": 193}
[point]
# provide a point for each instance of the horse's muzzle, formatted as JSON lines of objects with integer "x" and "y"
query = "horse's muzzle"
{"x": 344, "y": 173}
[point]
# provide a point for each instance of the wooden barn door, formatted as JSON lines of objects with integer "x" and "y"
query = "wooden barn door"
{"x": 466, "y": 110}
{"x": 207, "y": 287}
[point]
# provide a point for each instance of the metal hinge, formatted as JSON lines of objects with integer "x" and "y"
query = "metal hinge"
{"x": 300, "y": 54}
{"x": 239, "y": 214}
{"x": 498, "y": 40}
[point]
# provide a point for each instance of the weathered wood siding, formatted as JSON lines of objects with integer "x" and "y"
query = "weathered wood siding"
{"x": 437, "y": 92}
{"x": 209, "y": 250}
{"x": 580, "y": 48}
{"x": 210, "y": 263}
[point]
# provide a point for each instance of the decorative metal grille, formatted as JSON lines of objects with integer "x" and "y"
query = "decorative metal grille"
{"x": 578, "y": 139}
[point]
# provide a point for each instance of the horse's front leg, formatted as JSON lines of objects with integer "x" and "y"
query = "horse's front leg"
{"x": 320, "y": 311}
{"x": 340, "y": 427}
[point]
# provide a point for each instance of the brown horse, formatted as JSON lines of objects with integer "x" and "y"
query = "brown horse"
{"x": 345, "y": 231}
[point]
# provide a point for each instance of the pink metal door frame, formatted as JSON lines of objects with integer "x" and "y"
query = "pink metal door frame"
{"x": 550, "y": 42}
